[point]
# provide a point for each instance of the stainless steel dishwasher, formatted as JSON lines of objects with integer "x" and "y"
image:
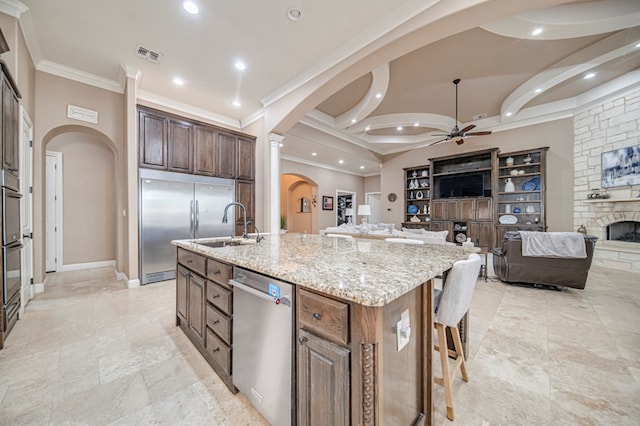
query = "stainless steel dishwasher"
{"x": 263, "y": 344}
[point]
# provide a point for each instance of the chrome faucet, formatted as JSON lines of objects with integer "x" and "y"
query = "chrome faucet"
{"x": 244, "y": 217}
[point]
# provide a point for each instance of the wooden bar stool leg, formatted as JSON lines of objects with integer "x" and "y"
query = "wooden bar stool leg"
{"x": 457, "y": 342}
{"x": 446, "y": 376}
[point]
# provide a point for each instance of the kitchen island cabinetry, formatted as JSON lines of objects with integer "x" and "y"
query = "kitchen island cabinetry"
{"x": 204, "y": 309}
{"x": 352, "y": 301}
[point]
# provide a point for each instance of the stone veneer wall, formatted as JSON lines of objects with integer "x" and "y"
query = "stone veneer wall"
{"x": 602, "y": 128}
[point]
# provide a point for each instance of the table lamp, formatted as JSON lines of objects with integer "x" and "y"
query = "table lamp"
{"x": 364, "y": 210}
{"x": 348, "y": 213}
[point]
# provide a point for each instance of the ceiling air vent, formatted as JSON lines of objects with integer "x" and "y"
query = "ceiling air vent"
{"x": 479, "y": 116}
{"x": 148, "y": 54}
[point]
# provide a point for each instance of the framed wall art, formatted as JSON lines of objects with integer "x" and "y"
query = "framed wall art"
{"x": 621, "y": 167}
{"x": 327, "y": 203}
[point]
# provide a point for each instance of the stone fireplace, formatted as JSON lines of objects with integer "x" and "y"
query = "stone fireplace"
{"x": 615, "y": 220}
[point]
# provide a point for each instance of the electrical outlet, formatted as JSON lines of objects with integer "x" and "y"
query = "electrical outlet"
{"x": 403, "y": 330}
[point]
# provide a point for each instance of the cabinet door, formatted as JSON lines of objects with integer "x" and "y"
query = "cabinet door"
{"x": 10, "y": 133}
{"x": 438, "y": 209}
{"x": 244, "y": 195}
{"x": 205, "y": 151}
{"x": 452, "y": 210}
{"x": 246, "y": 163}
{"x": 323, "y": 382}
{"x": 196, "y": 305}
{"x": 182, "y": 283}
{"x": 484, "y": 209}
{"x": 152, "y": 133}
{"x": 468, "y": 209}
{"x": 180, "y": 147}
{"x": 226, "y": 161}
{"x": 481, "y": 234}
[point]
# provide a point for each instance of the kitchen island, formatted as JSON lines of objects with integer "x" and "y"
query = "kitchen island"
{"x": 352, "y": 363}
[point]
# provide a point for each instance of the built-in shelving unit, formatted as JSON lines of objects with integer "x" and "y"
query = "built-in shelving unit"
{"x": 417, "y": 197}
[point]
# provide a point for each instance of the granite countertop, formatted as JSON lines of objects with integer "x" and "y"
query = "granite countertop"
{"x": 368, "y": 272}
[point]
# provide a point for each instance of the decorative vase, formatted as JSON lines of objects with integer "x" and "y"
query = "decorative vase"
{"x": 516, "y": 209}
{"x": 509, "y": 161}
{"x": 508, "y": 185}
{"x": 507, "y": 208}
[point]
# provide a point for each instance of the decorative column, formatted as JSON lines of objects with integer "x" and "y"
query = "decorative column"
{"x": 274, "y": 182}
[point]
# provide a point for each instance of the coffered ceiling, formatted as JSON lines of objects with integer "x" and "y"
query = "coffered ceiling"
{"x": 509, "y": 77}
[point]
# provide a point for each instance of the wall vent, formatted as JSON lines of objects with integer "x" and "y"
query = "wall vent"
{"x": 148, "y": 54}
{"x": 479, "y": 116}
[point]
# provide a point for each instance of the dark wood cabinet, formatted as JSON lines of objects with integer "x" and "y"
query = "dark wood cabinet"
{"x": 323, "y": 381}
{"x": 443, "y": 225}
{"x": 205, "y": 150}
{"x": 182, "y": 288}
{"x": 153, "y": 135}
{"x": 245, "y": 194}
{"x": 246, "y": 163}
{"x": 226, "y": 158}
{"x": 481, "y": 234}
{"x": 196, "y": 306}
{"x": 484, "y": 209}
{"x": 10, "y": 129}
{"x": 180, "y": 147}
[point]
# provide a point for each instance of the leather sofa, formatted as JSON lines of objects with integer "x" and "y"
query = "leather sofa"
{"x": 511, "y": 266}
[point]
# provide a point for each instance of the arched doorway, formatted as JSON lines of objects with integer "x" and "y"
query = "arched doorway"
{"x": 88, "y": 194}
{"x": 298, "y": 204}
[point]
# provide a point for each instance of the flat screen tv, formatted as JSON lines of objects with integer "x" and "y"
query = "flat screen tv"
{"x": 466, "y": 185}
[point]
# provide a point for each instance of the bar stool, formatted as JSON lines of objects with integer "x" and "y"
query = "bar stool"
{"x": 451, "y": 304}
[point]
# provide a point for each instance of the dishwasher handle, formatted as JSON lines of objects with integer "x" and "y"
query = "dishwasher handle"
{"x": 284, "y": 300}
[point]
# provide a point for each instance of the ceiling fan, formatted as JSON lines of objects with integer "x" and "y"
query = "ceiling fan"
{"x": 457, "y": 135}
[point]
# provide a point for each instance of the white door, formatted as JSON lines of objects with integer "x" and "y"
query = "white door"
{"x": 373, "y": 199}
{"x": 53, "y": 215}
{"x": 26, "y": 182}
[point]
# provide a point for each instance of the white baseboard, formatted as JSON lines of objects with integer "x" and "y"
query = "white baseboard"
{"x": 121, "y": 276}
{"x": 89, "y": 265}
{"x": 39, "y": 287}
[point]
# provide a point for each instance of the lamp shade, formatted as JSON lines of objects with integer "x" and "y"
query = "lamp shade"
{"x": 364, "y": 210}
{"x": 348, "y": 212}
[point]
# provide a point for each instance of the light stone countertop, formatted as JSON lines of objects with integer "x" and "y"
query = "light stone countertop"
{"x": 368, "y": 272}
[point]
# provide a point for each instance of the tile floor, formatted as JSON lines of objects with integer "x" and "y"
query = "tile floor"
{"x": 91, "y": 352}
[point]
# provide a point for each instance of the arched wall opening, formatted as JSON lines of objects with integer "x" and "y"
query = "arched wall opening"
{"x": 90, "y": 194}
{"x": 299, "y": 204}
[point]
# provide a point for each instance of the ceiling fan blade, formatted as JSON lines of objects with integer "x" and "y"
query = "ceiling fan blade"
{"x": 436, "y": 142}
{"x": 441, "y": 134}
{"x": 460, "y": 141}
{"x": 466, "y": 129}
{"x": 488, "y": 132}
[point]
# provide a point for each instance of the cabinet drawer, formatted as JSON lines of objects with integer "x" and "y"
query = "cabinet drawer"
{"x": 220, "y": 352}
{"x": 324, "y": 317}
{"x": 193, "y": 261}
{"x": 220, "y": 323}
{"x": 218, "y": 272}
{"x": 220, "y": 297}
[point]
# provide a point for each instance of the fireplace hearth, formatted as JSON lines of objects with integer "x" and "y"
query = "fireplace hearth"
{"x": 627, "y": 231}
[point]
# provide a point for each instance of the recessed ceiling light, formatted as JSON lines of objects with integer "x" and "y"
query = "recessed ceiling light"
{"x": 240, "y": 66}
{"x": 361, "y": 167}
{"x": 399, "y": 128}
{"x": 590, "y": 75}
{"x": 341, "y": 161}
{"x": 314, "y": 153}
{"x": 416, "y": 124}
{"x": 638, "y": 45}
{"x": 237, "y": 103}
{"x": 353, "y": 120}
{"x": 281, "y": 144}
{"x": 191, "y": 7}
{"x": 366, "y": 129}
{"x": 294, "y": 14}
{"x": 178, "y": 81}
{"x": 538, "y": 90}
{"x": 536, "y": 32}
{"x": 379, "y": 95}
{"x": 509, "y": 114}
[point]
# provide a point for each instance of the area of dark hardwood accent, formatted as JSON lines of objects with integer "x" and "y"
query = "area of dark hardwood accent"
{"x": 153, "y": 135}
{"x": 205, "y": 147}
{"x": 181, "y": 147}
{"x": 226, "y": 157}
{"x": 246, "y": 150}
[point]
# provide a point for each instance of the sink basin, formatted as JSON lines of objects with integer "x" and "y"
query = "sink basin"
{"x": 223, "y": 243}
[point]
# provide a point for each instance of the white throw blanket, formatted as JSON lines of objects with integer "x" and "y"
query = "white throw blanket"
{"x": 553, "y": 244}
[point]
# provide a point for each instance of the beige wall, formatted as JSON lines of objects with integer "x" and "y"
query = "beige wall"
{"x": 88, "y": 195}
{"x": 53, "y": 96}
{"x": 372, "y": 184}
{"x": 558, "y": 135}
{"x": 328, "y": 182}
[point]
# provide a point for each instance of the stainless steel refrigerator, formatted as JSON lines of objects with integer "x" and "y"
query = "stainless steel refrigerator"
{"x": 175, "y": 206}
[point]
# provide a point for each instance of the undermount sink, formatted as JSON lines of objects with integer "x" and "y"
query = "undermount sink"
{"x": 223, "y": 243}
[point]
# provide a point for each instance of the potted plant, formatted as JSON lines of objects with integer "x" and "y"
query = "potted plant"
{"x": 283, "y": 225}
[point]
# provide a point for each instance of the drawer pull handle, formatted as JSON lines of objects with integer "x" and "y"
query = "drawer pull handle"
{"x": 215, "y": 350}
{"x": 216, "y": 322}
{"x": 302, "y": 340}
{"x": 316, "y": 316}
{"x": 190, "y": 261}
{"x": 217, "y": 272}
{"x": 216, "y": 296}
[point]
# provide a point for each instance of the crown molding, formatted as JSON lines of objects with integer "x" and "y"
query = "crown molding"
{"x": 12, "y": 8}
{"x": 324, "y": 166}
{"x": 79, "y": 76}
